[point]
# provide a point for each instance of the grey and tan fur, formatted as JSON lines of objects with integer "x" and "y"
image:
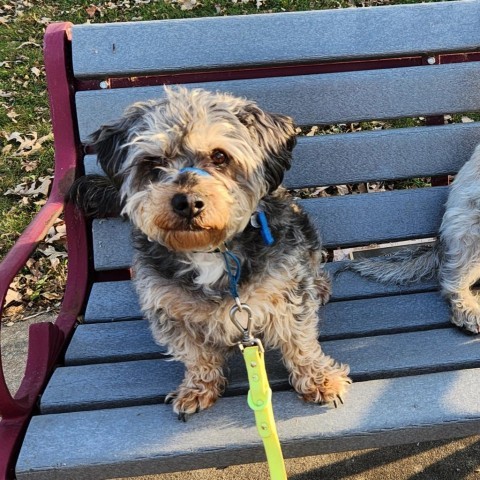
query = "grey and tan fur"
{"x": 180, "y": 218}
{"x": 455, "y": 257}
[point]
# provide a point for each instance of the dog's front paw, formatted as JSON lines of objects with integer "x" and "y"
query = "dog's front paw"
{"x": 189, "y": 400}
{"x": 325, "y": 387}
{"x": 467, "y": 321}
{"x": 466, "y": 310}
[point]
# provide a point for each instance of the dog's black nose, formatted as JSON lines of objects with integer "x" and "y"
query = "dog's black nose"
{"x": 187, "y": 206}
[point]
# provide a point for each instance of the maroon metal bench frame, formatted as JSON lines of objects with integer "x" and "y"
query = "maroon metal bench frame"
{"x": 47, "y": 340}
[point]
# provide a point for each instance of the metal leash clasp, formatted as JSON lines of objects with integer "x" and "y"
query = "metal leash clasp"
{"x": 248, "y": 339}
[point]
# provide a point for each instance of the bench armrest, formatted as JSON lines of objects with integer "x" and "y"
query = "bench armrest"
{"x": 46, "y": 340}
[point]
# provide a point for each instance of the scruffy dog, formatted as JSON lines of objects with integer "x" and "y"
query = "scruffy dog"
{"x": 454, "y": 258}
{"x": 189, "y": 171}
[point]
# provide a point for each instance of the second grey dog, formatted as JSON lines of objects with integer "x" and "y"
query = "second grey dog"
{"x": 454, "y": 258}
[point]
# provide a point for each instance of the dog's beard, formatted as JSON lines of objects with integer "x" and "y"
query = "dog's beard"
{"x": 224, "y": 215}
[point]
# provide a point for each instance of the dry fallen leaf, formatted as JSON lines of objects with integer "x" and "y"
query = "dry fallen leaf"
{"x": 342, "y": 190}
{"x": 53, "y": 255}
{"x": 6, "y": 149}
{"x": 185, "y": 4}
{"x": 57, "y": 234}
{"x": 12, "y": 296}
{"x": 92, "y": 10}
{"x": 12, "y": 115}
{"x": 29, "y": 165}
{"x": 38, "y": 187}
{"x": 28, "y": 143}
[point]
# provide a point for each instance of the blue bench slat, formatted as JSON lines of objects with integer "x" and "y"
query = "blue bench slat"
{"x": 350, "y": 286}
{"x": 104, "y": 342}
{"x": 117, "y": 301}
{"x": 112, "y": 246}
{"x": 342, "y": 221}
{"x": 382, "y": 315}
{"x": 120, "y": 341}
{"x": 238, "y": 41}
{"x": 112, "y": 301}
{"x": 91, "y": 387}
{"x": 373, "y": 155}
{"x": 325, "y": 98}
{"x": 352, "y": 220}
{"x": 381, "y": 155}
{"x": 149, "y": 439}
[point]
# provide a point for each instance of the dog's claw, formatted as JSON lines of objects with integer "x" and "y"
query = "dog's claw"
{"x": 183, "y": 417}
{"x": 340, "y": 398}
{"x": 335, "y": 404}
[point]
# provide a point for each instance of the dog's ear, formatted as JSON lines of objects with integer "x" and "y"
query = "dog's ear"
{"x": 96, "y": 196}
{"x": 275, "y": 134}
{"x": 110, "y": 141}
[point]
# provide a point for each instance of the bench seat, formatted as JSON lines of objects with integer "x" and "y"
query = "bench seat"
{"x": 146, "y": 439}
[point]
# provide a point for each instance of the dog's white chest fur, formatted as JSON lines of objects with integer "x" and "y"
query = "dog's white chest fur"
{"x": 209, "y": 267}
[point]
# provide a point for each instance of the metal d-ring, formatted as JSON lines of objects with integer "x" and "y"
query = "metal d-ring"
{"x": 247, "y": 337}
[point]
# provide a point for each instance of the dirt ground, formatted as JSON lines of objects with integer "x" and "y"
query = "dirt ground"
{"x": 442, "y": 460}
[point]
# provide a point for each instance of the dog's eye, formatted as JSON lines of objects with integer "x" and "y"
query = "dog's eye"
{"x": 154, "y": 161}
{"x": 219, "y": 157}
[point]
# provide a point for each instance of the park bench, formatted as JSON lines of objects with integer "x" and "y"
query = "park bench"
{"x": 416, "y": 377}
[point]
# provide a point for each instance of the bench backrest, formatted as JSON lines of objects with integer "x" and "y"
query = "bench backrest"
{"x": 322, "y": 68}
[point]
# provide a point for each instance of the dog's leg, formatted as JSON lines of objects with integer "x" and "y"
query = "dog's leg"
{"x": 458, "y": 274}
{"x": 203, "y": 383}
{"x": 315, "y": 376}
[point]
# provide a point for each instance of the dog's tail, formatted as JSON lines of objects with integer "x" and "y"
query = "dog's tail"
{"x": 402, "y": 267}
{"x": 96, "y": 196}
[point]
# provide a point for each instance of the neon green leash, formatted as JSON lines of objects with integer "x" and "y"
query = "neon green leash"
{"x": 260, "y": 394}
